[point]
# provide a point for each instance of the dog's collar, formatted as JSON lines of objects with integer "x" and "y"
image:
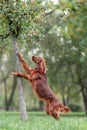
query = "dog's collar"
{"x": 39, "y": 71}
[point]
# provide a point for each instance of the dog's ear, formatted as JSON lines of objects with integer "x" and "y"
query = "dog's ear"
{"x": 43, "y": 65}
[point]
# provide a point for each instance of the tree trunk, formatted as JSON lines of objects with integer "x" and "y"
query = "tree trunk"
{"x": 5, "y": 85}
{"x": 63, "y": 99}
{"x": 82, "y": 82}
{"x": 8, "y": 101}
{"x": 5, "y": 89}
{"x": 84, "y": 93}
{"x": 62, "y": 93}
{"x": 22, "y": 104}
{"x": 12, "y": 94}
{"x": 40, "y": 105}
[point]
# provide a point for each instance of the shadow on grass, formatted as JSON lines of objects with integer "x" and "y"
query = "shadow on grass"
{"x": 62, "y": 115}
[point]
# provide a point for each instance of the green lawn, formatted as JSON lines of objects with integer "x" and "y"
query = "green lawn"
{"x": 40, "y": 121}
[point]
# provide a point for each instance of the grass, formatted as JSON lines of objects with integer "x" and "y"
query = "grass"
{"x": 40, "y": 121}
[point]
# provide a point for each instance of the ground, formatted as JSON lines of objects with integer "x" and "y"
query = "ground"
{"x": 40, "y": 121}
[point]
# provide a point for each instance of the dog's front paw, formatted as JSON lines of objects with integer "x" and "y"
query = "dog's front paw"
{"x": 15, "y": 73}
{"x": 19, "y": 54}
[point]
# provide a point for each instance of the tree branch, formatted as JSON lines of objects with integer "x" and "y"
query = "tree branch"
{"x": 4, "y": 78}
{"x": 4, "y": 35}
{"x": 49, "y": 13}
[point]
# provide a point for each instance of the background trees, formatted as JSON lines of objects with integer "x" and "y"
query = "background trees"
{"x": 76, "y": 22}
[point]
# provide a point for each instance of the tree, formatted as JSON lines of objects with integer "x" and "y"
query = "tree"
{"x": 15, "y": 27}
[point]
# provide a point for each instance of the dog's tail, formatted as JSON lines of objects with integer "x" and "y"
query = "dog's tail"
{"x": 59, "y": 108}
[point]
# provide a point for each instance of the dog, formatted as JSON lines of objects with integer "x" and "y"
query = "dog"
{"x": 38, "y": 79}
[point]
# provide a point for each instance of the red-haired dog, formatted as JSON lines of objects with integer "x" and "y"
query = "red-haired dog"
{"x": 37, "y": 77}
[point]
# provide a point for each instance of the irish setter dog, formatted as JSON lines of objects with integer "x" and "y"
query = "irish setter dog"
{"x": 38, "y": 79}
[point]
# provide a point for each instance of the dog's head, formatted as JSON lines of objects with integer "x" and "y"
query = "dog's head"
{"x": 40, "y": 63}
